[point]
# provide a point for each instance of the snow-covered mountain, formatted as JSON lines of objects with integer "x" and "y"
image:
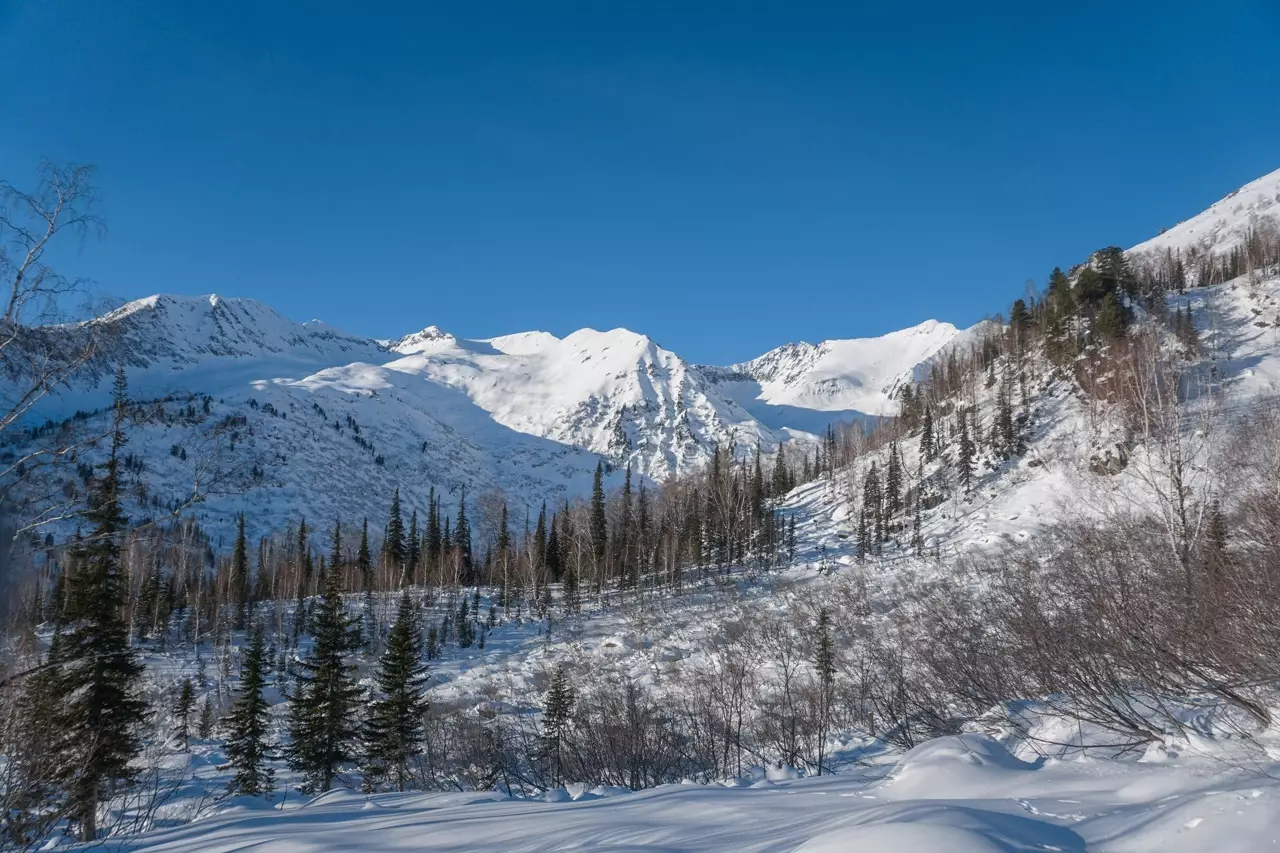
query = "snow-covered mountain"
{"x": 290, "y": 415}
{"x": 283, "y": 415}
{"x": 1225, "y": 223}
{"x": 805, "y": 386}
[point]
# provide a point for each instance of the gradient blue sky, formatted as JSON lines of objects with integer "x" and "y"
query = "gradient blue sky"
{"x": 724, "y": 177}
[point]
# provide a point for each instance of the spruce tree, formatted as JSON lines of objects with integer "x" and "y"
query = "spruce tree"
{"x": 824, "y": 665}
{"x": 964, "y": 459}
{"x": 322, "y": 719}
{"x": 393, "y": 732}
{"x": 205, "y": 727}
{"x": 238, "y": 590}
{"x": 248, "y": 749}
{"x": 781, "y": 482}
{"x": 556, "y": 720}
{"x": 393, "y": 545}
{"x": 893, "y": 482}
{"x": 98, "y": 674}
{"x": 364, "y": 562}
{"x": 599, "y": 522}
{"x": 182, "y": 709}
{"x": 927, "y": 449}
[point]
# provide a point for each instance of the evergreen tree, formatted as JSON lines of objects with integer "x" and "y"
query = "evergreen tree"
{"x": 239, "y": 581}
{"x": 99, "y": 707}
{"x": 1004, "y": 425}
{"x": 248, "y": 749}
{"x": 393, "y": 546}
{"x": 364, "y": 560}
{"x": 182, "y": 709}
{"x": 413, "y": 546}
{"x": 1109, "y": 324}
{"x": 557, "y": 716}
{"x": 781, "y": 482}
{"x": 322, "y": 722}
{"x": 599, "y": 522}
{"x": 927, "y": 449}
{"x": 393, "y": 732}
{"x": 893, "y": 482}
{"x": 964, "y": 459}
{"x": 864, "y": 534}
{"x": 824, "y": 665}
{"x": 462, "y": 533}
{"x": 205, "y": 727}
{"x": 917, "y": 537}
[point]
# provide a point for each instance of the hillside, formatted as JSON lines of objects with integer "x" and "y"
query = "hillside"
{"x": 258, "y": 413}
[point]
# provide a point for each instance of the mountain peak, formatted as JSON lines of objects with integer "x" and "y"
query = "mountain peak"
{"x": 432, "y": 337}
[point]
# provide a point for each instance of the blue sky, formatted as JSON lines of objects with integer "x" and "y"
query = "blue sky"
{"x": 723, "y": 177}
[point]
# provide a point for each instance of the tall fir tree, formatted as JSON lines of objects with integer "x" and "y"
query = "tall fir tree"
{"x": 964, "y": 458}
{"x": 238, "y": 590}
{"x": 99, "y": 706}
{"x": 927, "y": 448}
{"x": 182, "y": 708}
{"x": 393, "y": 732}
{"x": 557, "y": 717}
{"x": 599, "y": 521}
{"x": 393, "y": 544}
{"x": 364, "y": 560}
{"x": 893, "y": 482}
{"x": 824, "y": 666}
{"x": 322, "y": 710}
{"x": 248, "y": 738}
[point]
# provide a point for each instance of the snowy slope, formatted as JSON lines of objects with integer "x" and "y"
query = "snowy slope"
{"x": 1225, "y": 223}
{"x": 615, "y": 393}
{"x": 276, "y": 412}
{"x": 806, "y": 386}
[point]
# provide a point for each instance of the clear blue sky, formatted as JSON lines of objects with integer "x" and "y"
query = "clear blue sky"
{"x": 724, "y": 177}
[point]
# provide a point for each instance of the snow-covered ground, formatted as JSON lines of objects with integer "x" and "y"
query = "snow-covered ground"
{"x": 963, "y": 794}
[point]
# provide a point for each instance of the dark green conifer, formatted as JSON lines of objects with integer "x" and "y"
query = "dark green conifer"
{"x": 393, "y": 732}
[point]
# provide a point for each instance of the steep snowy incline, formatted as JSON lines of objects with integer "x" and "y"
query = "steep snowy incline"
{"x": 1225, "y": 223}
{"x": 806, "y": 386}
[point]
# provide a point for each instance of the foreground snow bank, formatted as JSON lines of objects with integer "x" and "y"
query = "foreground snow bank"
{"x": 963, "y": 794}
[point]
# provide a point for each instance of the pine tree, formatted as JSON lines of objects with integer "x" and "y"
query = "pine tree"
{"x": 364, "y": 561}
{"x": 205, "y": 727}
{"x": 893, "y": 482}
{"x": 917, "y": 537}
{"x": 1109, "y": 324}
{"x": 599, "y": 522}
{"x": 322, "y": 722}
{"x": 557, "y": 715}
{"x": 393, "y": 732}
{"x": 1005, "y": 432}
{"x": 462, "y": 534}
{"x": 781, "y": 482}
{"x": 34, "y": 748}
{"x": 98, "y": 700}
{"x": 824, "y": 665}
{"x": 864, "y": 535}
{"x": 964, "y": 459}
{"x": 927, "y": 448}
{"x": 248, "y": 749}
{"x": 239, "y": 581}
{"x": 393, "y": 547}
{"x": 182, "y": 709}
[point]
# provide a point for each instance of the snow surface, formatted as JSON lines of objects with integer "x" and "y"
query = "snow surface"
{"x": 964, "y": 794}
{"x": 1225, "y": 223}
